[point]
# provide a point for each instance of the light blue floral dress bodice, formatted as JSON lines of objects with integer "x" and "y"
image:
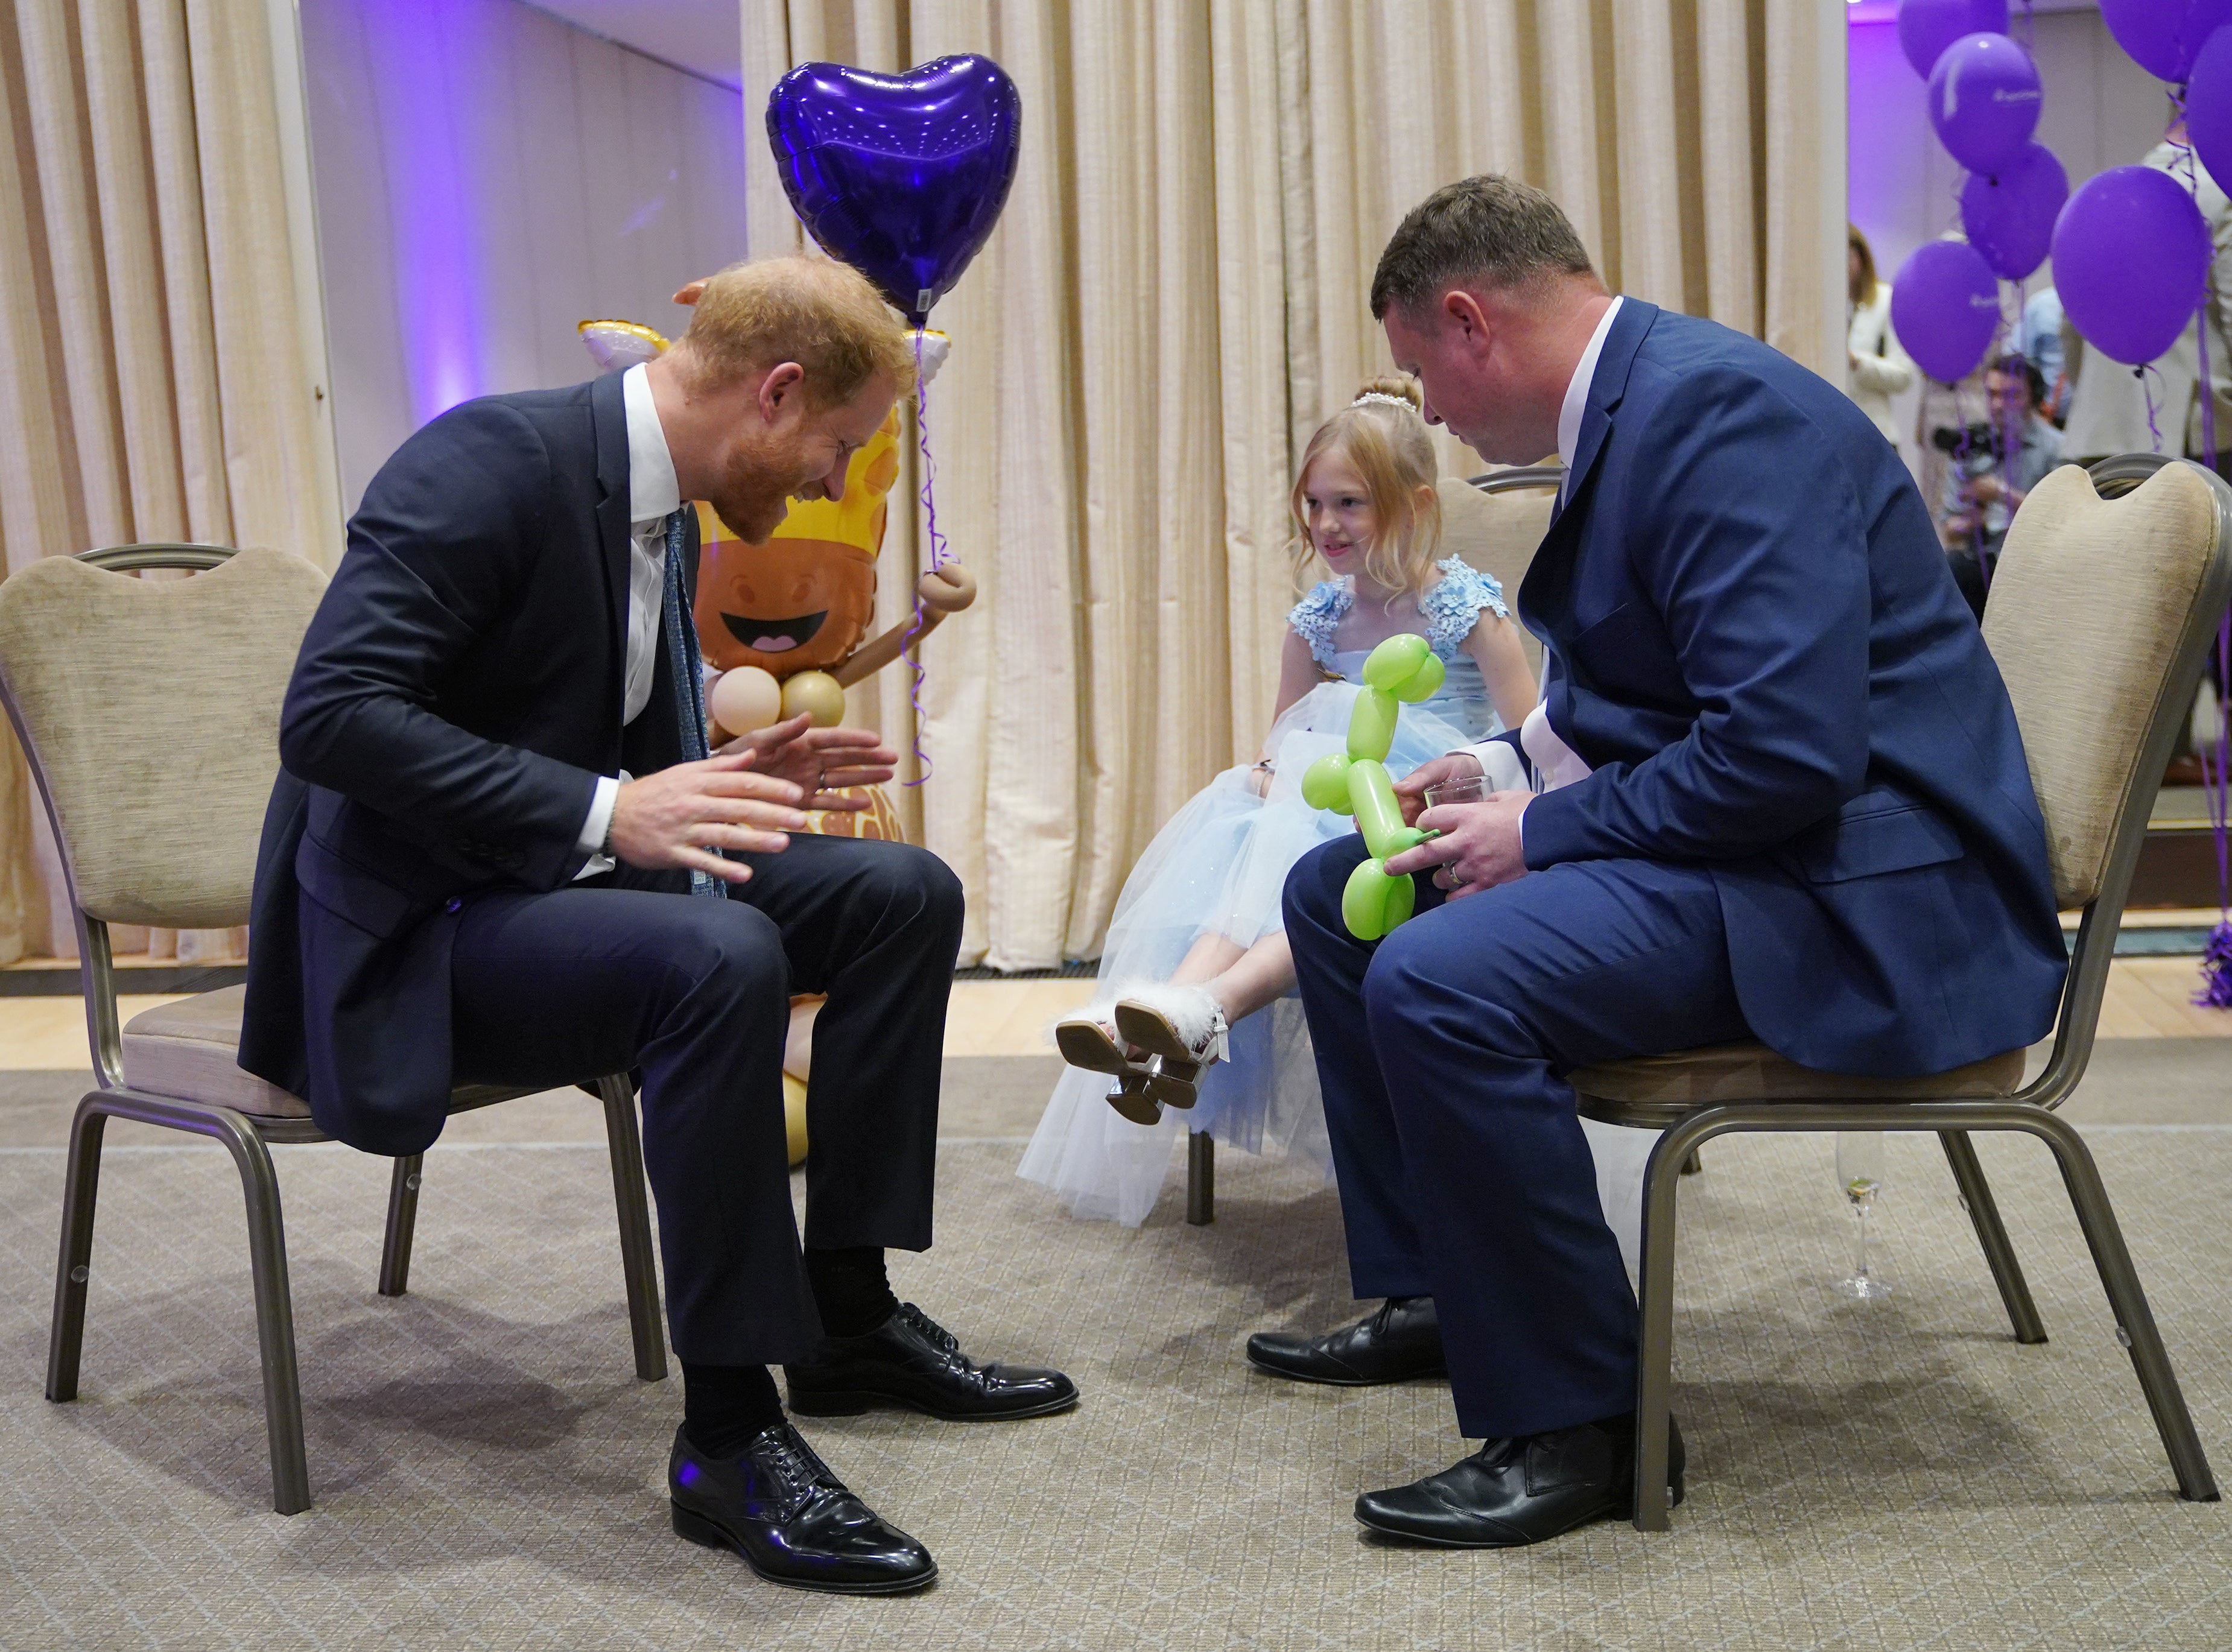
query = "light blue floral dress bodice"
{"x": 1450, "y": 609}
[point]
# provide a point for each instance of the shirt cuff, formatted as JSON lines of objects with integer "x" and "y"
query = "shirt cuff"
{"x": 594, "y": 828}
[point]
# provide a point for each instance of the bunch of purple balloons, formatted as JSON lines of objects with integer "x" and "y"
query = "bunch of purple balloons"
{"x": 2131, "y": 249}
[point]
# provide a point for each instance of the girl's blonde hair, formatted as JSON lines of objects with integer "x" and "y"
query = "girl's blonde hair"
{"x": 1386, "y": 441}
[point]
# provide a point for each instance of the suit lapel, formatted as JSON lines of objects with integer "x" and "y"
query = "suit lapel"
{"x": 1544, "y": 594}
{"x": 608, "y": 422}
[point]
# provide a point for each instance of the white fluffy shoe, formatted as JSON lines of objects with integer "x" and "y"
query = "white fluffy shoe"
{"x": 1184, "y": 1026}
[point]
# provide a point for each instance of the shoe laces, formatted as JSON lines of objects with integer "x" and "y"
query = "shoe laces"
{"x": 934, "y": 1333}
{"x": 795, "y": 1465}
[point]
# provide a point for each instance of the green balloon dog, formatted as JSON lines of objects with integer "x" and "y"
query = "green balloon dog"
{"x": 1402, "y": 669}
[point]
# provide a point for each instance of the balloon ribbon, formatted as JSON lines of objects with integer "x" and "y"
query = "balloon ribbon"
{"x": 937, "y": 559}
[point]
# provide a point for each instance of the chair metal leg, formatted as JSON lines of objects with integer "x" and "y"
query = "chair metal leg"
{"x": 402, "y": 1223}
{"x": 1200, "y": 1178}
{"x": 2135, "y": 1321}
{"x": 1654, "y": 1353}
{"x": 1992, "y": 1234}
{"x": 81, "y": 1183}
{"x": 633, "y": 1204}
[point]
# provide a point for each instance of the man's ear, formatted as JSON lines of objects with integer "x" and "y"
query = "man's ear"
{"x": 782, "y": 393}
{"x": 1462, "y": 313}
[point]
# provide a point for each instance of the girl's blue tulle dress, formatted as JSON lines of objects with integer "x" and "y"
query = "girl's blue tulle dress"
{"x": 1219, "y": 866}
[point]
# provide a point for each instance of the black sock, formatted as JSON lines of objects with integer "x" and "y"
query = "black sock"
{"x": 850, "y": 1289}
{"x": 723, "y": 1406}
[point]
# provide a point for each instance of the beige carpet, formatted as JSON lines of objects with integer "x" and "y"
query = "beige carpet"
{"x": 487, "y": 1472}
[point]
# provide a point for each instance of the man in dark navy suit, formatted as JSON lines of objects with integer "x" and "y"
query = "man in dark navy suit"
{"x": 1778, "y": 794}
{"x": 498, "y": 850}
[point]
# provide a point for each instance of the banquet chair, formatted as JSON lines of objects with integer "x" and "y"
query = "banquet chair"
{"x": 149, "y": 713}
{"x": 2143, "y": 547}
{"x": 1495, "y": 522}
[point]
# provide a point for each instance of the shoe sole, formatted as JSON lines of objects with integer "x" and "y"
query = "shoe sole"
{"x": 695, "y": 1528}
{"x": 1150, "y": 1029}
{"x": 1618, "y": 1512}
{"x": 854, "y": 1403}
{"x": 1086, "y": 1043}
{"x": 1440, "y": 1374}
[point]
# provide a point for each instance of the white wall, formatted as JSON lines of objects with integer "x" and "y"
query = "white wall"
{"x": 2100, "y": 110}
{"x": 487, "y": 176}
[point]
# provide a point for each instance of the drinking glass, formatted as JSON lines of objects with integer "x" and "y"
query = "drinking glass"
{"x": 1860, "y": 1174}
{"x": 1472, "y": 788}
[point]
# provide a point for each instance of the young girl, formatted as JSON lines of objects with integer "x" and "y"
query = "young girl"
{"x": 1195, "y": 1021}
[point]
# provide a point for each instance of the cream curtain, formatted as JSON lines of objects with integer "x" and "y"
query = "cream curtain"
{"x": 154, "y": 383}
{"x": 1176, "y": 295}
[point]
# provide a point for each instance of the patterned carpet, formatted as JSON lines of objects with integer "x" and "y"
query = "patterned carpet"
{"x": 488, "y": 1474}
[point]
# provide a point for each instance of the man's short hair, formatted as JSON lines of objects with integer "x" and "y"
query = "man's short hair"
{"x": 823, "y": 315}
{"x": 1488, "y": 232}
{"x": 2016, "y": 365}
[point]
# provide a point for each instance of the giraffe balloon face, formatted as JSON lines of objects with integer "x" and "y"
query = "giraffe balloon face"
{"x": 803, "y": 601}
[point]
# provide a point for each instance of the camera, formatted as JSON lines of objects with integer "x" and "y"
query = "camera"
{"x": 1974, "y": 438}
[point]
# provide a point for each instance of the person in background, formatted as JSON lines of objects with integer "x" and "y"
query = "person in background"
{"x": 1993, "y": 468}
{"x": 2041, "y": 347}
{"x": 2108, "y": 406}
{"x": 1877, "y": 369}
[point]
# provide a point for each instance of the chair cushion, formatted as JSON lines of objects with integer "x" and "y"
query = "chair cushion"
{"x": 1749, "y": 1071}
{"x": 190, "y": 1050}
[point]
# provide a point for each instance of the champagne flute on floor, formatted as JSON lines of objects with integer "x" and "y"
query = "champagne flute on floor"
{"x": 1860, "y": 1174}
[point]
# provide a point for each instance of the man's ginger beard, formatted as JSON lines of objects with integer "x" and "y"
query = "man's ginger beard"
{"x": 752, "y": 489}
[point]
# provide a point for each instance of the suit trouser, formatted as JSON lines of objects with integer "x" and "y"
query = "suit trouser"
{"x": 694, "y": 995}
{"x": 1464, "y": 1175}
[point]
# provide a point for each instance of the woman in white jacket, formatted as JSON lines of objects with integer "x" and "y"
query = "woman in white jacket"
{"x": 1877, "y": 368}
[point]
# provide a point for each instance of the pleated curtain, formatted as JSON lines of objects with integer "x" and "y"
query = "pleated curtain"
{"x": 1176, "y": 296}
{"x": 154, "y": 384}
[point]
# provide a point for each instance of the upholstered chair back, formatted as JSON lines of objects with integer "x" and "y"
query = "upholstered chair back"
{"x": 1497, "y": 533}
{"x": 2090, "y": 604}
{"x": 150, "y": 712}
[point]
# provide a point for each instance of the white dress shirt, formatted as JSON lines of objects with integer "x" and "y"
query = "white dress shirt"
{"x": 653, "y": 495}
{"x": 1556, "y": 762}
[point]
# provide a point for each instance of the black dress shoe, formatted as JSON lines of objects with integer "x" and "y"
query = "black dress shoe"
{"x": 912, "y": 1361}
{"x": 1400, "y": 1340}
{"x": 778, "y": 1505}
{"x": 1516, "y": 1492}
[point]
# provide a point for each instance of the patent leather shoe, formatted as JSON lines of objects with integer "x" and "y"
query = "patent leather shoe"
{"x": 1399, "y": 1339}
{"x": 1511, "y": 1492}
{"x": 912, "y": 1361}
{"x": 776, "y": 1505}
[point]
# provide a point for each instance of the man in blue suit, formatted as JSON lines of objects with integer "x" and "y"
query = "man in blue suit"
{"x": 1779, "y": 794}
{"x": 498, "y": 851}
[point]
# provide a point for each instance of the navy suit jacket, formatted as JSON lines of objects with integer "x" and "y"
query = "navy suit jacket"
{"x": 1754, "y": 641}
{"x": 456, "y": 696}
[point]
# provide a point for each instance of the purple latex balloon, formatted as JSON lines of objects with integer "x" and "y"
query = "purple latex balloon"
{"x": 1984, "y": 101}
{"x": 2164, "y": 36}
{"x": 2009, "y": 214}
{"x": 1945, "y": 308}
{"x": 2130, "y": 261}
{"x": 900, "y": 176}
{"x": 1926, "y": 28}
{"x": 2209, "y": 104}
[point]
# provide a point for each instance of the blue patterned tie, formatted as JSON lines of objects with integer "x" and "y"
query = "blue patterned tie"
{"x": 689, "y": 682}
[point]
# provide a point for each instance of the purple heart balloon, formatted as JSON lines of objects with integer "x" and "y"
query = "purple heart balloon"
{"x": 1984, "y": 101}
{"x": 2164, "y": 36}
{"x": 2008, "y": 215}
{"x": 1926, "y": 28}
{"x": 2131, "y": 262}
{"x": 900, "y": 176}
{"x": 1945, "y": 308}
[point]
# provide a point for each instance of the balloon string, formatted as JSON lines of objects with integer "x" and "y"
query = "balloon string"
{"x": 2147, "y": 387}
{"x": 938, "y": 559}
